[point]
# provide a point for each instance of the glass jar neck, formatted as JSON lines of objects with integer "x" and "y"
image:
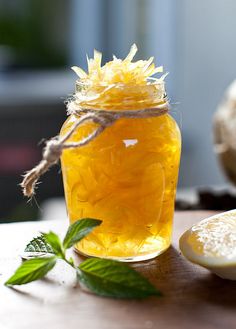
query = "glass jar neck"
{"x": 121, "y": 96}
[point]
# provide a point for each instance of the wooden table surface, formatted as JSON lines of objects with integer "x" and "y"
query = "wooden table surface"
{"x": 193, "y": 297}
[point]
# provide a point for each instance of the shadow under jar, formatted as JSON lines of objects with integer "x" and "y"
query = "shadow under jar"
{"x": 127, "y": 178}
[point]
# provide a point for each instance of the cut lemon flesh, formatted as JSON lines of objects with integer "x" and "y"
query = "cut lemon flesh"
{"x": 212, "y": 243}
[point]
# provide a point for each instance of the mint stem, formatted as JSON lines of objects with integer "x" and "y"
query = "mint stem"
{"x": 70, "y": 262}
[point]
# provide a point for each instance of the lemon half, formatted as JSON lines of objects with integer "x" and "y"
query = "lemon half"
{"x": 212, "y": 244}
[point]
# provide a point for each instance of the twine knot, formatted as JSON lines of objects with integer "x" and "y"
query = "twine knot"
{"x": 52, "y": 150}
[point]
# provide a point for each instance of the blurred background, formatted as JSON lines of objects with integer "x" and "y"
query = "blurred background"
{"x": 40, "y": 40}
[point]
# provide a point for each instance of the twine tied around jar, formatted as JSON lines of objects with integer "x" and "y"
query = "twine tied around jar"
{"x": 103, "y": 118}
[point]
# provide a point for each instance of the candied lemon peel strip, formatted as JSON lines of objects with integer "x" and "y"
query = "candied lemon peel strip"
{"x": 212, "y": 244}
{"x": 120, "y": 84}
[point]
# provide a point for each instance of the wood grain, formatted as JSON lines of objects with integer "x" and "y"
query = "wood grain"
{"x": 193, "y": 297}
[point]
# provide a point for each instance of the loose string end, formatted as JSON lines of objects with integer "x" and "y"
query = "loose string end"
{"x": 28, "y": 184}
{"x": 51, "y": 155}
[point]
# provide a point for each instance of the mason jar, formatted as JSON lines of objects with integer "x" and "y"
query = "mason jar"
{"x": 127, "y": 178}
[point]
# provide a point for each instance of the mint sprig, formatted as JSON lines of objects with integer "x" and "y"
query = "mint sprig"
{"x": 103, "y": 277}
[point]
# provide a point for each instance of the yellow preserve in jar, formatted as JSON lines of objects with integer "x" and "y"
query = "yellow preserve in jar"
{"x": 127, "y": 175}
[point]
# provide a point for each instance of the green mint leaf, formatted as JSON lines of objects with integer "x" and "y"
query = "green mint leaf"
{"x": 78, "y": 230}
{"x": 53, "y": 240}
{"x": 39, "y": 245}
{"x": 110, "y": 278}
{"x": 31, "y": 270}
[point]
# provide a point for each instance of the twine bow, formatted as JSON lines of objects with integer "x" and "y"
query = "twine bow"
{"x": 55, "y": 146}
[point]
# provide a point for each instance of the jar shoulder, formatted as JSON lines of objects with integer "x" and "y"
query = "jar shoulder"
{"x": 146, "y": 129}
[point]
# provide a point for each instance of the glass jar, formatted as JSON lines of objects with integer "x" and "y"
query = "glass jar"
{"x": 127, "y": 178}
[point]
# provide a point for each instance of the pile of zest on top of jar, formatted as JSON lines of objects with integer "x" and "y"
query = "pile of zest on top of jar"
{"x": 119, "y": 84}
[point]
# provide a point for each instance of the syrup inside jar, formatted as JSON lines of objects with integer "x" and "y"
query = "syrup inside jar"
{"x": 127, "y": 176}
